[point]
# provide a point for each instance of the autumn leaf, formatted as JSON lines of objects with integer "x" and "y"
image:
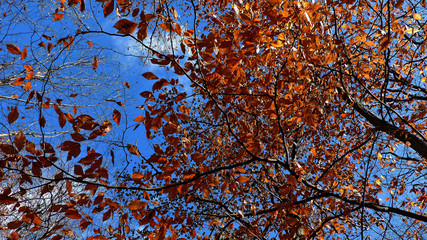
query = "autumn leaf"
{"x": 73, "y": 214}
{"x": 150, "y": 76}
{"x": 7, "y": 200}
{"x": 18, "y": 81}
{"x": 125, "y": 26}
{"x": 24, "y": 53}
{"x": 20, "y": 140}
{"x": 13, "y": 49}
{"x": 57, "y": 16}
{"x": 133, "y": 149}
{"x": 136, "y": 205}
{"x": 137, "y": 176}
{"x": 116, "y": 116}
{"x": 13, "y": 115}
{"x": 27, "y": 86}
{"x": 95, "y": 63}
{"x": 242, "y": 179}
{"x": 139, "y": 119}
{"x": 108, "y": 8}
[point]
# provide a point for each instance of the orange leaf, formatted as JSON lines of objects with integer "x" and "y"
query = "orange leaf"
{"x": 137, "y": 176}
{"x": 27, "y": 86}
{"x": 95, "y": 63}
{"x": 150, "y": 76}
{"x": 126, "y": 84}
{"x": 13, "y": 115}
{"x": 242, "y": 179}
{"x": 116, "y": 116}
{"x": 136, "y": 205}
{"x": 18, "y": 81}
{"x": 90, "y": 43}
{"x": 167, "y": 27}
{"x": 24, "y": 54}
{"x": 28, "y": 68}
{"x": 139, "y": 119}
{"x": 13, "y": 49}
{"x": 57, "y": 16}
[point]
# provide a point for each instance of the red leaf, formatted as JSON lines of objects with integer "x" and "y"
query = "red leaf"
{"x": 13, "y": 115}
{"x": 116, "y": 116}
{"x": 108, "y": 8}
{"x": 125, "y": 26}
{"x": 150, "y": 76}
{"x": 13, "y": 49}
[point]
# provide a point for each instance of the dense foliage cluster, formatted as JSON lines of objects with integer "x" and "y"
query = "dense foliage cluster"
{"x": 262, "y": 119}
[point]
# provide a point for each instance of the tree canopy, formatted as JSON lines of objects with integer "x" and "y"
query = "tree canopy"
{"x": 259, "y": 119}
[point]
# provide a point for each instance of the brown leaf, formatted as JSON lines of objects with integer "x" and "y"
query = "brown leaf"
{"x": 133, "y": 149}
{"x": 116, "y": 116}
{"x": 125, "y": 26}
{"x": 7, "y": 200}
{"x": 108, "y": 8}
{"x": 13, "y": 115}
{"x": 14, "y": 224}
{"x": 62, "y": 120}
{"x": 150, "y": 76}
{"x": 20, "y": 140}
{"x": 42, "y": 121}
{"x": 49, "y": 46}
{"x": 73, "y": 214}
{"x": 13, "y": 49}
{"x": 136, "y": 205}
